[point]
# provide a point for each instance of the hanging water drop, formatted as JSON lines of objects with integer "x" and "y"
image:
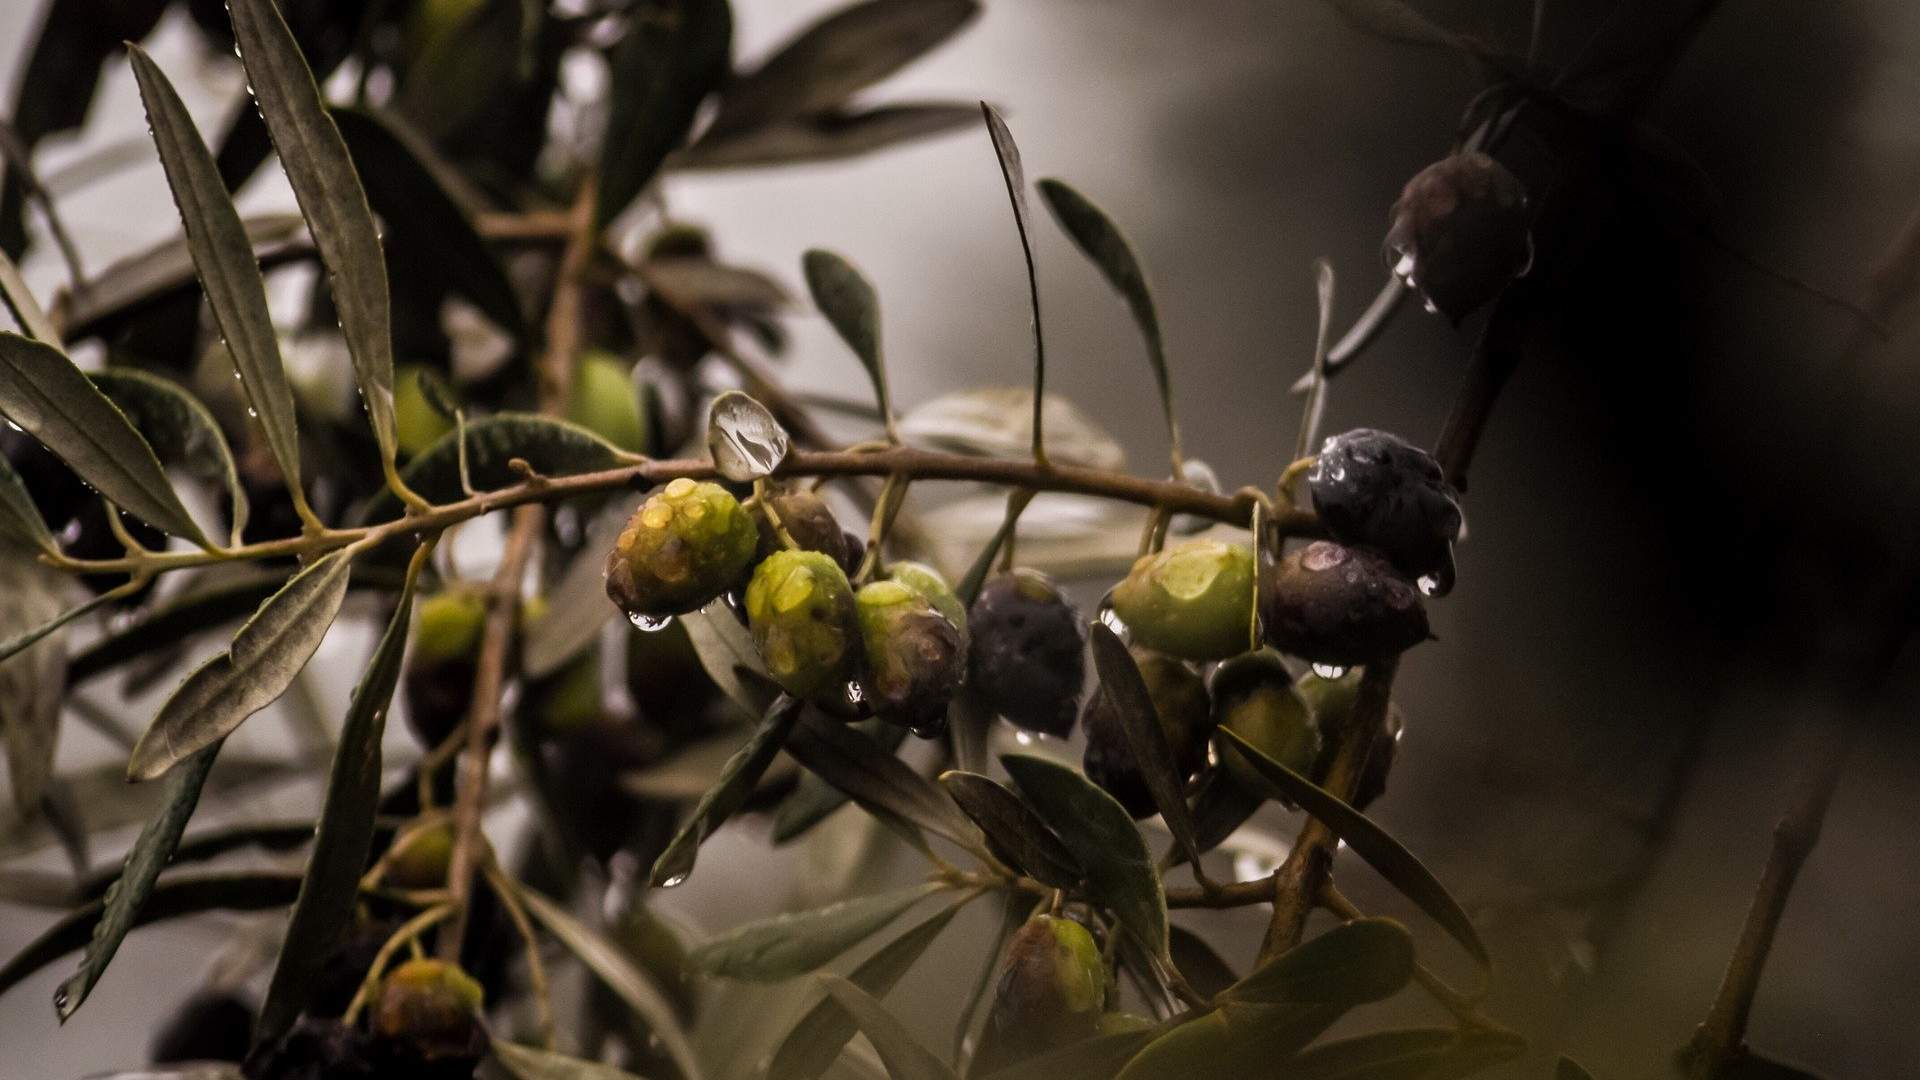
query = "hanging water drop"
{"x": 1329, "y": 671}
{"x": 649, "y": 623}
{"x": 856, "y": 693}
{"x": 1428, "y": 584}
{"x": 673, "y": 881}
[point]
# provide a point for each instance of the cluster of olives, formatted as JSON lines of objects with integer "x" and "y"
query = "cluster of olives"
{"x": 901, "y": 639}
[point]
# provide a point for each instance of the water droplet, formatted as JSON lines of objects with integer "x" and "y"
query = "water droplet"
{"x": 650, "y": 623}
{"x": 856, "y": 693}
{"x": 1339, "y": 473}
{"x": 252, "y": 413}
{"x": 1403, "y": 267}
{"x": 1329, "y": 671}
{"x": 673, "y": 881}
{"x": 1112, "y": 621}
{"x": 1428, "y": 584}
{"x": 1024, "y": 737}
{"x": 1431, "y": 307}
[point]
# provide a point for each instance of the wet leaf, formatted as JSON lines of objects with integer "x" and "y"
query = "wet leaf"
{"x": 905, "y": 1058}
{"x": 324, "y": 910}
{"x": 151, "y": 851}
{"x": 1126, "y": 691}
{"x": 1352, "y": 964}
{"x": 33, "y": 683}
{"x": 847, "y": 299}
{"x": 111, "y": 803}
{"x": 331, "y": 199}
{"x": 1102, "y": 836}
{"x": 997, "y": 421}
{"x": 1219, "y": 808}
{"x": 875, "y": 778}
{"x": 1372, "y": 843}
{"x": 1205, "y": 969}
{"x": 266, "y": 655}
{"x": 528, "y": 1063}
{"x": 577, "y": 605}
{"x": 737, "y": 779}
{"x": 412, "y": 189}
{"x": 813, "y": 799}
{"x": 829, "y": 136}
{"x": 1015, "y": 177}
{"x": 810, "y": 1048}
{"x": 1231, "y": 1043}
{"x": 832, "y": 59}
{"x": 611, "y": 966}
{"x": 551, "y": 447}
{"x": 691, "y": 282}
{"x": 167, "y": 268}
{"x": 1409, "y": 1054}
{"x": 746, "y": 442}
{"x": 179, "y": 429}
{"x": 20, "y": 301}
{"x": 662, "y": 69}
{"x": 798, "y": 942}
{"x": 1017, "y": 833}
{"x": 170, "y": 621}
{"x": 1095, "y": 234}
{"x": 47, "y": 396}
{"x": 726, "y": 652}
{"x": 224, "y": 260}
{"x": 20, "y": 521}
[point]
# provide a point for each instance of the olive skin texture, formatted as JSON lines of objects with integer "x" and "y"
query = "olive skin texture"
{"x": 438, "y": 680}
{"x": 808, "y": 521}
{"x": 605, "y": 401}
{"x": 1026, "y": 660}
{"x": 1179, "y": 701}
{"x": 800, "y": 611}
{"x": 1052, "y": 991}
{"x": 915, "y": 656}
{"x": 928, "y": 582}
{"x": 1375, "y": 490}
{"x": 1459, "y": 232}
{"x": 688, "y": 543}
{"x": 1253, "y": 697}
{"x": 1193, "y": 600}
{"x": 422, "y": 858}
{"x": 1337, "y": 605}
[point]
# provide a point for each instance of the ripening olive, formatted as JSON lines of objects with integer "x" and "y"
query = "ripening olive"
{"x": 1376, "y": 490}
{"x": 1459, "y": 232}
{"x": 605, "y": 401}
{"x": 1179, "y": 702}
{"x": 807, "y": 519}
{"x": 416, "y": 423}
{"x": 1253, "y": 697}
{"x": 1052, "y": 991}
{"x": 689, "y": 542}
{"x": 915, "y": 656}
{"x": 1332, "y": 604}
{"x": 433, "y": 1006}
{"x": 800, "y": 611}
{"x": 1026, "y": 659}
{"x": 421, "y": 857}
{"x": 1193, "y": 600}
{"x": 438, "y": 681}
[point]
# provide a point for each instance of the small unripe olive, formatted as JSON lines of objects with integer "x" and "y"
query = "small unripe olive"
{"x": 1194, "y": 600}
{"x": 1459, "y": 232}
{"x": 422, "y": 857}
{"x": 605, "y": 401}
{"x": 416, "y": 423}
{"x": 1026, "y": 660}
{"x": 915, "y": 656}
{"x": 450, "y": 625}
{"x": 438, "y": 681}
{"x": 689, "y": 542}
{"x": 800, "y": 611}
{"x": 1332, "y": 604}
{"x": 1052, "y": 991}
{"x": 1179, "y": 702}
{"x": 807, "y": 519}
{"x": 430, "y": 1003}
{"x": 1253, "y": 697}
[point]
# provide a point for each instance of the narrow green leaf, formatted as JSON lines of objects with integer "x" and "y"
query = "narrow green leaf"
{"x": 833, "y": 59}
{"x": 727, "y": 653}
{"x": 528, "y": 1063}
{"x": 551, "y": 447}
{"x": 1015, "y": 177}
{"x": 1207, "y": 971}
{"x": 324, "y": 909}
{"x": 224, "y": 260}
{"x": 902, "y": 1054}
{"x": 810, "y": 1048}
{"x": 662, "y": 70}
{"x": 976, "y": 575}
{"x": 830, "y": 136}
{"x": 54, "y": 401}
{"x": 1411, "y": 1054}
{"x": 266, "y": 655}
{"x": 20, "y": 301}
{"x": 1220, "y": 807}
{"x": 166, "y": 270}
{"x": 847, "y": 299}
{"x": 875, "y": 778}
{"x": 1126, "y": 691}
{"x": 1017, "y": 833}
{"x": 742, "y": 771}
{"x": 1352, "y": 964}
{"x": 474, "y": 64}
{"x": 250, "y": 890}
{"x": 171, "y": 621}
{"x": 1569, "y": 1069}
{"x": 1231, "y": 1043}
{"x": 179, "y": 429}
{"x": 26, "y": 638}
{"x": 317, "y": 165}
{"x": 1372, "y": 843}
{"x": 577, "y": 605}
{"x": 1102, "y": 836}
{"x": 151, "y": 851}
{"x": 612, "y": 967}
{"x": 1102, "y": 242}
{"x": 412, "y": 189}
{"x": 798, "y": 942}
{"x": 813, "y": 799}
{"x": 20, "y": 520}
{"x": 33, "y": 685}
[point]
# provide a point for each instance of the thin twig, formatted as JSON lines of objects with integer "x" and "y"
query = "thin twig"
{"x": 536, "y": 969}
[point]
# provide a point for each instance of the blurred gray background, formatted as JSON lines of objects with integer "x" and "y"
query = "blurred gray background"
{"x": 1238, "y": 140}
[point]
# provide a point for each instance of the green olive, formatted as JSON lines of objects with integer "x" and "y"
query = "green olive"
{"x": 1194, "y": 600}
{"x": 605, "y": 401}
{"x": 801, "y": 613}
{"x": 689, "y": 542}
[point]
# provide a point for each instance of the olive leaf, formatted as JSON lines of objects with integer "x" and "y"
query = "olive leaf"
{"x": 43, "y": 393}
{"x": 1017, "y": 833}
{"x": 112, "y": 803}
{"x": 1231, "y": 1042}
{"x": 744, "y": 439}
{"x": 1095, "y": 234}
{"x": 412, "y": 189}
{"x": 1352, "y": 964}
{"x": 829, "y": 136}
{"x": 997, "y": 421}
{"x": 810, "y": 1048}
{"x": 33, "y": 685}
{"x": 903, "y": 1055}
{"x": 224, "y": 260}
{"x": 550, "y": 447}
{"x": 20, "y": 520}
{"x": 248, "y": 890}
{"x": 1126, "y": 691}
{"x": 813, "y": 799}
{"x": 577, "y": 605}
{"x": 316, "y": 162}
{"x": 468, "y": 67}
{"x": 27, "y": 638}
{"x": 164, "y": 270}
{"x": 170, "y": 621}
{"x": 727, "y": 653}
{"x": 179, "y": 429}
{"x": 20, "y": 301}
{"x": 267, "y": 653}
{"x": 1412, "y": 1054}
{"x": 1205, "y": 969}
{"x": 1015, "y": 177}
{"x": 798, "y": 942}
{"x": 150, "y": 853}
{"x": 1220, "y": 807}
{"x": 1372, "y": 843}
{"x": 527, "y": 1063}
{"x": 1102, "y": 836}
{"x": 324, "y": 909}
{"x": 847, "y": 299}
{"x": 662, "y": 69}
{"x": 742, "y": 771}
{"x": 36, "y": 888}
{"x": 832, "y": 59}
{"x": 612, "y": 967}
{"x": 876, "y": 779}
